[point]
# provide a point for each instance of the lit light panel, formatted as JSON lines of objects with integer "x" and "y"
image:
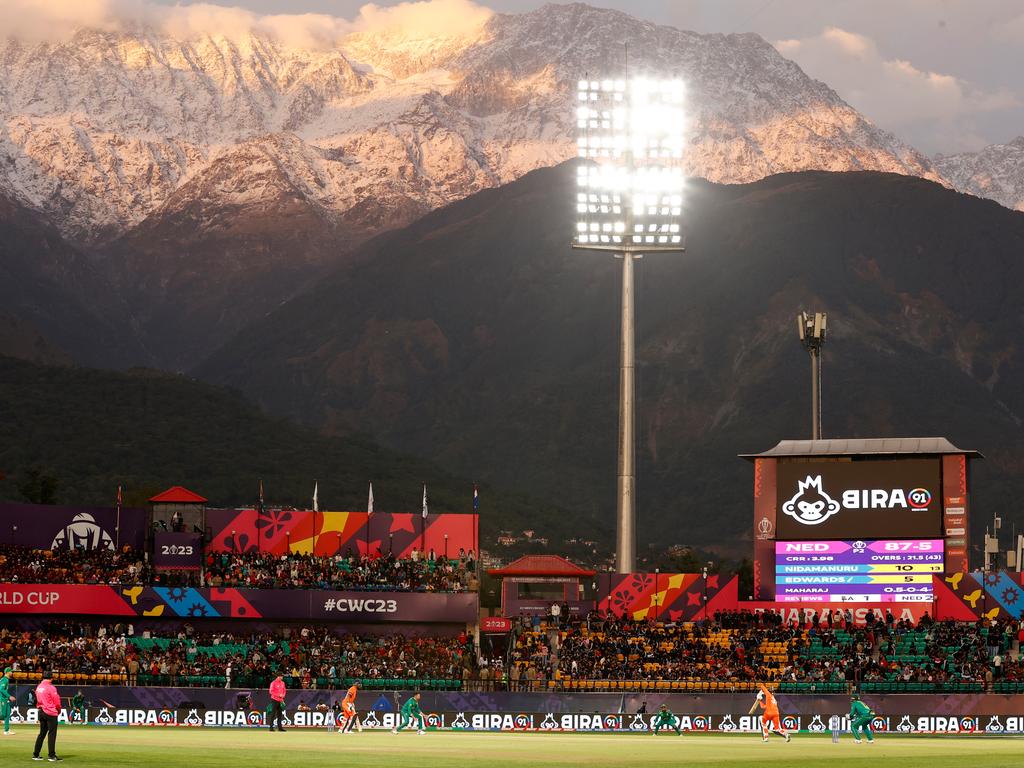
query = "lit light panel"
{"x": 630, "y": 192}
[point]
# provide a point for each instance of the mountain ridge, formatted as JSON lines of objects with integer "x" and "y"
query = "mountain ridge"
{"x": 995, "y": 172}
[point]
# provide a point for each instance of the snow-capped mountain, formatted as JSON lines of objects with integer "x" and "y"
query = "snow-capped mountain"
{"x": 107, "y": 128}
{"x": 996, "y": 172}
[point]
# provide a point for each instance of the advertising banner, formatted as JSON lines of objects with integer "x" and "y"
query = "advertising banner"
{"x": 956, "y": 714}
{"x": 279, "y": 531}
{"x": 47, "y": 526}
{"x": 859, "y": 500}
{"x": 956, "y": 518}
{"x": 183, "y": 551}
{"x": 189, "y": 602}
{"x": 765, "y": 522}
{"x": 807, "y": 612}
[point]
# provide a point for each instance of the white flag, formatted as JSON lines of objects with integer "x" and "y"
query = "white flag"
{"x": 316, "y": 500}
{"x": 369, "y": 501}
{"x": 424, "y": 501}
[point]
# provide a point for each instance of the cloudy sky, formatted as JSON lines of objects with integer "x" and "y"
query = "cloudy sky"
{"x": 946, "y": 75}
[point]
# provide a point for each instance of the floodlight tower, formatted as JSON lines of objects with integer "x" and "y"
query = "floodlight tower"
{"x": 629, "y": 201}
{"x": 812, "y": 336}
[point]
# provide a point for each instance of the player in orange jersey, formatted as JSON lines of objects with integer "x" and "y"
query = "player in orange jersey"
{"x": 348, "y": 710}
{"x": 770, "y": 720}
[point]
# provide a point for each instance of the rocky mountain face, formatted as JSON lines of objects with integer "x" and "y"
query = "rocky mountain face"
{"x": 212, "y": 178}
{"x": 492, "y": 347}
{"x": 996, "y": 172}
{"x": 103, "y": 129}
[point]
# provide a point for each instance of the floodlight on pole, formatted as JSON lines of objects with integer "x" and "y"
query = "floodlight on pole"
{"x": 812, "y": 336}
{"x": 629, "y": 200}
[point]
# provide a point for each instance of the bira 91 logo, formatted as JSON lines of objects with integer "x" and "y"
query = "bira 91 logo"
{"x": 812, "y": 505}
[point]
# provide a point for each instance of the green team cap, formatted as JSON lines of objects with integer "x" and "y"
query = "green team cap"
{"x": 9, "y": 669}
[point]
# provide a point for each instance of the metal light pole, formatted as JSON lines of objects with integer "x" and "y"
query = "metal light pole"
{"x": 628, "y": 203}
{"x": 812, "y": 337}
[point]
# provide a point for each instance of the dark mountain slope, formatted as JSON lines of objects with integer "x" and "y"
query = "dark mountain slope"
{"x": 147, "y": 430}
{"x": 54, "y": 295}
{"x": 478, "y": 338}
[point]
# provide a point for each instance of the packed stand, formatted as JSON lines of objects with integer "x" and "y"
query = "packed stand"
{"x": 736, "y": 650}
{"x": 380, "y": 572}
{"x": 307, "y": 658}
{"x": 73, "y": 566}
{"x": 418, "y": 573}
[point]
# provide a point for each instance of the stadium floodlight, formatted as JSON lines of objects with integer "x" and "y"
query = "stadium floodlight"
{"x": 629, "y": 201}
{"x": 812, "y": 336}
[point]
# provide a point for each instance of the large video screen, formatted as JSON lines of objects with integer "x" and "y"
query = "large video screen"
{"x": 895, "y": 499}
{"x": 860, "y": 571}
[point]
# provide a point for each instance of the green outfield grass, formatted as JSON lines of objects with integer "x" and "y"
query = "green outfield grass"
{"x": 93, "y": 747}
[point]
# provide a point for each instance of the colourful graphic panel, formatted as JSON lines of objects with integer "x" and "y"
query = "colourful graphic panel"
{"x": 665, "y": 596}
{"x": 279, "y": 531}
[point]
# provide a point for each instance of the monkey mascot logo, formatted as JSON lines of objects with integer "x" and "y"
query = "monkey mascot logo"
{"x": 810, "y": 504}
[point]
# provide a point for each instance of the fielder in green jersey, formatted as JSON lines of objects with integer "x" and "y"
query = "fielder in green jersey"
{"x": 665, "y": 719}
{"x": 411, "y": 711}
{"x": 860, "y": 719}
{"x": 5, "y": 701}
{"x": 78, "y": 706}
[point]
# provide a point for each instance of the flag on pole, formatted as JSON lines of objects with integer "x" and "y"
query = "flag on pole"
{"x": 117, "y": 523}
{"x": 369, "y": 501}
{"x": 424, "y": 501}
{"x": 261, "y": 497}
{"x": 316, "y": 499}
{"x": 476, "y": 498}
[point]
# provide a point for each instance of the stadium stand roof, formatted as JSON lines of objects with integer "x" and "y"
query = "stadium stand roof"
{"x": 178, "y": 495}
{"x": 873, "y": 446}
{"x": 541, "y": 565}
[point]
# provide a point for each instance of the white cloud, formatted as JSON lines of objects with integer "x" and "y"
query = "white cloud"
{"x": 424, "y": 19}
{"x": 892, "y": 91}
{"x": 58, "y": 19}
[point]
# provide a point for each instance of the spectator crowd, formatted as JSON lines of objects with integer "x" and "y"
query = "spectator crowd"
{"x": 421, "y": 572}
{"x": 418, "y": 573}
{"x": 746, "y": 647}
{"x": 73, "y": 566}
{"x": 308, "y": 657}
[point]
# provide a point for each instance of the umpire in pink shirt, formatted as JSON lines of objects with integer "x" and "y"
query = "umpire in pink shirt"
{"x": 48, "y": 703}
{"x": 277, "y": 691}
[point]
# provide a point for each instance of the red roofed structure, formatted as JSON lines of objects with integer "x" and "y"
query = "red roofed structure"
{"x": 535, "y": 584}
{"x": 542, "y": 565}
{"x": 177, "y": 495}
{"x": 179, "y": 510}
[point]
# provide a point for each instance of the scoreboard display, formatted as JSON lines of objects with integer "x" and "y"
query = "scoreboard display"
{"x": 861, "y": 571}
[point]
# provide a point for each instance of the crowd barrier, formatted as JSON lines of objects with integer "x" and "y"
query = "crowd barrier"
{"x": 508, "y": 711}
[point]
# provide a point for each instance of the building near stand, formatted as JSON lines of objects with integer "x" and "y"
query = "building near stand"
{"x": 534, "y": 584}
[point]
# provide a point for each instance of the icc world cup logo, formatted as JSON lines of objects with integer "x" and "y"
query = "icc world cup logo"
{"x": 82, "y": 533}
